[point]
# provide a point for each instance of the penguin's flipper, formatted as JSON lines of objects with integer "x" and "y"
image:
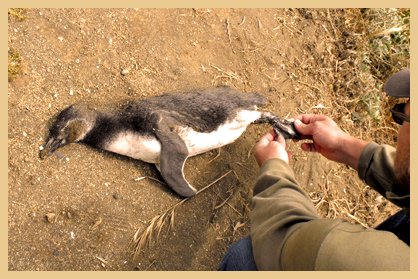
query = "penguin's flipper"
{"x": 174, "y": 153}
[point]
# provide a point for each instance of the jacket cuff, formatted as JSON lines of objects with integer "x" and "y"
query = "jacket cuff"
{"x": 366, "y": 158}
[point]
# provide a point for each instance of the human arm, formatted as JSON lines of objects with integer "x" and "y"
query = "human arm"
{"x": 288, "y": 234}
{"x": 329, "y": 140}
{"x": 374, "y": 163}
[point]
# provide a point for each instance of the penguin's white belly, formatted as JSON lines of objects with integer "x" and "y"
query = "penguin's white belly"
{"x": 137, "y": 146}
{"x": 148, "y": 148}
{"x": 198, "y": 143}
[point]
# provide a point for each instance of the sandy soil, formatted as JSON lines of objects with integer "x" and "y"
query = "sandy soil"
{"x": 94, "y": 203}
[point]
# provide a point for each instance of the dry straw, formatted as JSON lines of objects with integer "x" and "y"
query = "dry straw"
{"x": 364, "y": 48}
{"x": 144, "y": 238}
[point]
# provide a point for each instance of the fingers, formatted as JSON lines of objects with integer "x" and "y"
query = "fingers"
{"x": 272, "y": 133}
{"x": 303, "y": 137}
{"x": 306, "y": 118}
{"x": 304, "y": 129}
{"x": 267, "y": 138}
{"x": 309, "y": 147}
{"x": 308, "y": 124}
{"x": 271, "y": 147}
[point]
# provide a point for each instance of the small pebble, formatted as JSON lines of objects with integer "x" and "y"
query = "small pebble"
{"x": 55, "y": 253}
{"x": 124, "y": 72}
{"x": 115, "y": 196}
{"x": 50, "y": 217}
{"x": 58, "y": 154}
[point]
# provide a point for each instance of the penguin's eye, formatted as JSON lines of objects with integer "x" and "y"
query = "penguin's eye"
{"x": 74, "y": 130}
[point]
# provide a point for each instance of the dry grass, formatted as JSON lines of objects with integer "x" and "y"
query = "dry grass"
{"x": 365, "y": 47}
{"x": 144, "y": 238}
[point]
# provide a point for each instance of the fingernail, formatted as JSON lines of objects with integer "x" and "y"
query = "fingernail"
{"x": 297, "y": 122}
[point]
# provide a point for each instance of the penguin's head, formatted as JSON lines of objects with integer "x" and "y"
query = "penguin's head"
{"x": 71, "y": 125}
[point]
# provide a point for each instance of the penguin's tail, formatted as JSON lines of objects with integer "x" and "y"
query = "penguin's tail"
{"x": 257, "y": 99}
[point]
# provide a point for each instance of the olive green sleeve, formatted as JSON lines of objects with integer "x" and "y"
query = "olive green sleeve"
{"x": 287, "y": 233}
{"x": 280, "y": 209}
{"x": 376, "y": 168}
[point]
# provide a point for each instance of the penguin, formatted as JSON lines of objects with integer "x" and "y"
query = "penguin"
{"x": 165, "y": 130}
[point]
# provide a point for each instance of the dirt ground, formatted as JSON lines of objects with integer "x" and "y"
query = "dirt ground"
{"x": 94, "y": 200}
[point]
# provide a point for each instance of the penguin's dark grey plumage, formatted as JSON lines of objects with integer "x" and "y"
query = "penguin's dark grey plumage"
{"x": 167, "y": 129}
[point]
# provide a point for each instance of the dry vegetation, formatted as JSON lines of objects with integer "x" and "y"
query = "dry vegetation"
{"x": 364, "y": 48}
{"x": 374, "y": 44}
{"x": 142, "y": 239}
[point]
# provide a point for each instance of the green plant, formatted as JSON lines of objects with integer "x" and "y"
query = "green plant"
{"x": 387, "y": 41}
{"x": 17, "y": 12}
{"x": 14, "y": 63}
{"x": 372, "y": 102}
{"x": 382, "y": 39}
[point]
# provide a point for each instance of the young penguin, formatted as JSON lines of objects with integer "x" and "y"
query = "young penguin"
{"x": 167, "y": 129}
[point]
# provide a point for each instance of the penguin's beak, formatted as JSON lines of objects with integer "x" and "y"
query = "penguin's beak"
{"x": 50, "y": 147}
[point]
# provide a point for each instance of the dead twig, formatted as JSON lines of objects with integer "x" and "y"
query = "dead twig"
{"x": 239, "y": 225}
{"x": 229, "y": 36}
{"x": 356, "y": 219}
{"x": 290, "y": 28}
{"x": 18, "y": 203}
{"x": 309, "y": 85}
{"x": 96, "y": 224}
{"x": 143, "y": 238}
{"x": 219, "y": 153}
{"x": 231, "y": 75}
{"x": 153, "y": 262}
{"x": 259, "y": 24}
{"x": 149, "y": 177}
{"x": 102, "y": 260}
{"x": 223, "y": 203}
{"x": 243, "y": 20}
{"x": 227, "y": 203}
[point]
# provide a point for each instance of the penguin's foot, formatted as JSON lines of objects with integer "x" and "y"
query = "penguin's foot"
{"x": 282, "y": 127}
{"x": 285, "y": 128}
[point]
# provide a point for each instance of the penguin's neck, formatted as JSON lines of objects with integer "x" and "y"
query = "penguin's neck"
{"x": 117, "y": 134}
{"x": 105, "y": 127}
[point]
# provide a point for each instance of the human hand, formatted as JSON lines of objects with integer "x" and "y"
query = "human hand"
{"x": 271, "y": 147}
{"x": 328, "y": 139}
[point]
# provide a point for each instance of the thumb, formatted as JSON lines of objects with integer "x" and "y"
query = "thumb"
{"x": 267, "y": 138}
{"x": 281, "y": 141}
{"x": 302, "y": 128}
